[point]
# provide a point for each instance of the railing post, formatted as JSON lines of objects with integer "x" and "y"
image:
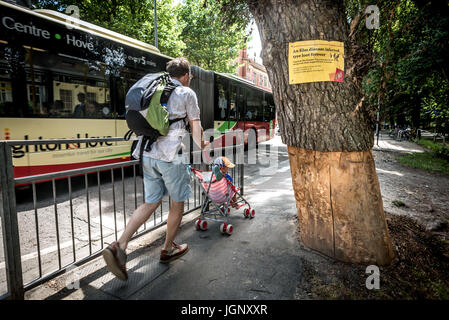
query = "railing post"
{"x": 10, "y": 226}
{"x": 242, "y": 177}
{"x": 240, "y": 160}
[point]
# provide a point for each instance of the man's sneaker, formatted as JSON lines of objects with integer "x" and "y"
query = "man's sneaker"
{"x": 115, "y": 259}
{"x": 176, "y": 252}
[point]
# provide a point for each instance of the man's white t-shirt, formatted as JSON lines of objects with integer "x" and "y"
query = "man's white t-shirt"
{"x": 182, "y": 103}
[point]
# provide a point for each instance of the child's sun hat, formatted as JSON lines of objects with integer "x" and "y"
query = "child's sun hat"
{"x": 223, "y": 162}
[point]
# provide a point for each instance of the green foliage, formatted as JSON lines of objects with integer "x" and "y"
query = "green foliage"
{"x": 443, "y": 153}
{"x": 234, "y": 11}
{"x": 210, "y": 43}
{"x": 410, "y": 73}
{"x": 189, "y": 29}
{"x": 408, "y": 76}
{"x": 132, "y": 18}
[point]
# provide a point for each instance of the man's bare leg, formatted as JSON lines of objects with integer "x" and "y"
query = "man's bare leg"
{"x": 173, "y": 222}
{"x": 138, "y": 218}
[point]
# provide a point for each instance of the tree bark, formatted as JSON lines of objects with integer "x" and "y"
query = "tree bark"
{"x": 328, "y": 129}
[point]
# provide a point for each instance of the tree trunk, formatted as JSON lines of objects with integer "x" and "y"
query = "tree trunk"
{"x": 327, "y": 128}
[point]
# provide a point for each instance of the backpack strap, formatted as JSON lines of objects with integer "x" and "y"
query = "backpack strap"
{"x": 128, "y": 135}
{"x": 170, "y": 86}
{"x": 176, "y": 120}
{"x": 143, "y": 146}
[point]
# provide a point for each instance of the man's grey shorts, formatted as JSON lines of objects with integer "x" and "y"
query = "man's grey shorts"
{"x": 162, "y": 178}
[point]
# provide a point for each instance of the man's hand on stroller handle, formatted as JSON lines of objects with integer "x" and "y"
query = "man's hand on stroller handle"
{"x": 198, "y": 134}
{"x": 204, "y": 144}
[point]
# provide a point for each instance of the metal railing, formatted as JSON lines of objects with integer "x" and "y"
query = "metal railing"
{"x": 82, "y": 251}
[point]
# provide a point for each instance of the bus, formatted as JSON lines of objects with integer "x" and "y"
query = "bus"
{"x": 62, "y": 77}
{"x": 239, "y": 104}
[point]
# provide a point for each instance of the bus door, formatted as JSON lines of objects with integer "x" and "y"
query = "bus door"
{"x": 269, "y": 113}
{"x": 254, "y": 118}
{"x": 251, "y": 109}
{"x": 241, "y": 107}
{"x": 233, "y": 116}
{"x": 221, "y": 110}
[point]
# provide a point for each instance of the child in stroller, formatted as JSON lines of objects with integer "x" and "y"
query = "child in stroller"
{"x": 220, "y": 195}
{"x": 224, "y": 164}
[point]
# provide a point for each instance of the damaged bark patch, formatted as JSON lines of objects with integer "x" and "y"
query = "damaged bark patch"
{"x": 340, "y": 209}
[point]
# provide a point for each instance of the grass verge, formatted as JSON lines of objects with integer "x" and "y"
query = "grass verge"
{"x": 426, "y": 161}
{"x": 429, "y": 143}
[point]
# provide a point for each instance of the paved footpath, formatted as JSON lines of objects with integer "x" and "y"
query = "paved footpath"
{"x": 261, "y": 260}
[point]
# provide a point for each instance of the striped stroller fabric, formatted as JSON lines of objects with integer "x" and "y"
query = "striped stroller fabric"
{"x": 218, "y": 189}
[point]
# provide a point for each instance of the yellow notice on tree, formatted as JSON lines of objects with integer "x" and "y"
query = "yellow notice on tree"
{"x": 315, "y": 60}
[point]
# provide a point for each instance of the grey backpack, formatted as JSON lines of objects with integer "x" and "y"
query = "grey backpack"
{"x": 146, "y": 113}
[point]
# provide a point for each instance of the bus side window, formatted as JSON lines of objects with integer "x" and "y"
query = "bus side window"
{"x": 121, "y": 86}
{"x": 6, "y": 104}
{"x": 254, "y": 105}
{"x": 241, "y": 108}
{"x": 268, "y": 110}
{"x": 120, "y": 89}
{"x": 45, "y": 84}
{"x": 63, "y": 87}
{"x": 221, "y": 100}
{"x": 250, "y": 105}
{"x": 233, "y": 112}
{"x": 272, "y": 107}
{"x": 259, "y": 102}
{"x": 265, "y": 111}
{"x": 13, "y": 92}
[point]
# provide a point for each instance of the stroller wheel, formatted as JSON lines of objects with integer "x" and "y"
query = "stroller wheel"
{"x": 226, "y": 228}
{"x": 223, "y": 210}
{"x": 200, "y": 224}
{"x": 246, "y": 213}
{"x": 252, "y": 214}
